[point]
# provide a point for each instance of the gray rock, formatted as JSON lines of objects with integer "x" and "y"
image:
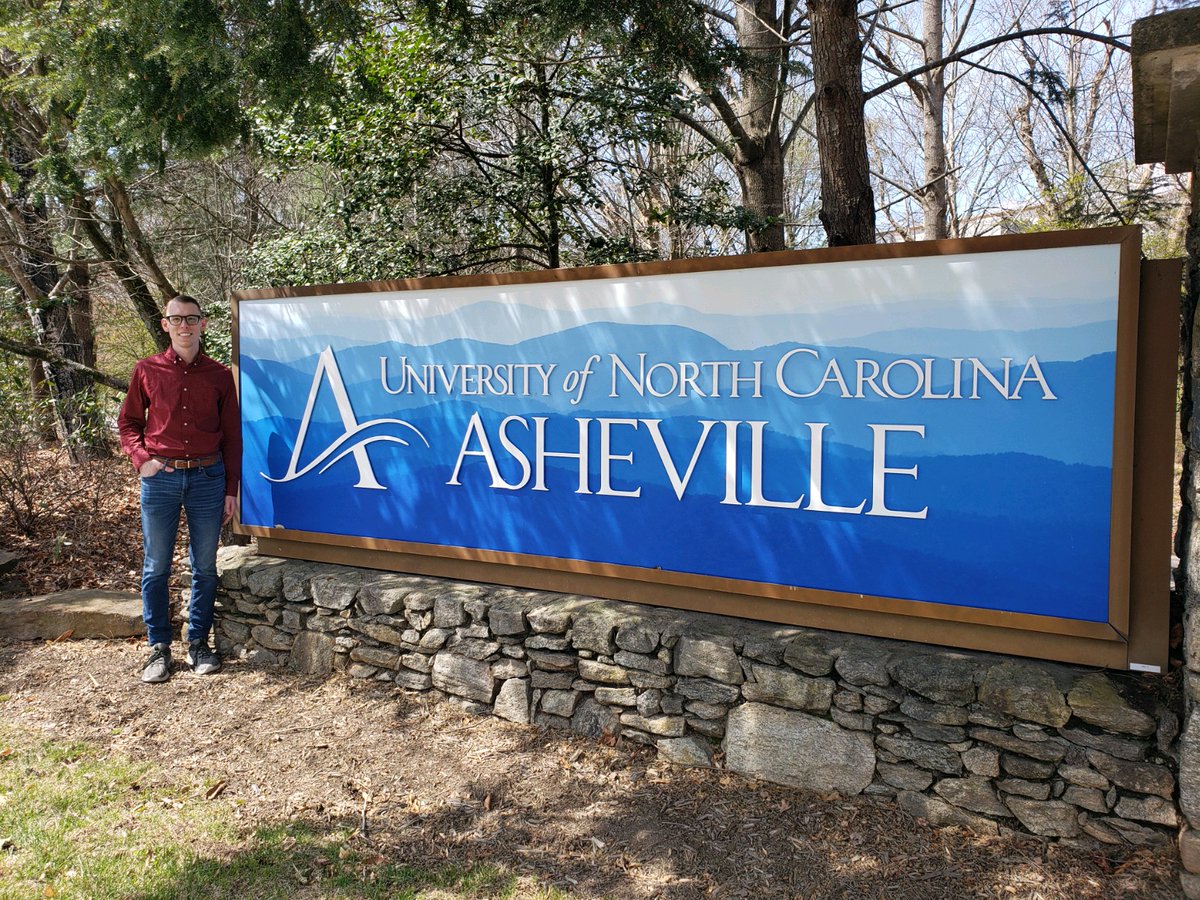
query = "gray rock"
{"x": 982, "y": 761}
{"x": 864, "y": 664}
{"x": 1122, "y": 748}
{"x": 421, "y": 601}
{"x": 594, "y": 719}
{"x": 1189, "y": 850}
{"x": 413, "y": 681}
{"x": 237, "y": 632}
{"x": 1084, "y": 776}
{"x": 943, "y": 678}
{"x": 936, "y": 757}
{"x": 86, "y": 614}
{"x": 691, "y": 752}
{"x": 650, "y": 702}
{"x": 612, "y": 696}
{"x": 989, "y": 718}
{"x": 264, "y": 659}
{"x": 361, "y": 671}
{"x": 712, "y": 729}
{"x": 706, "y": 691}
{"x": 384, "y": 595}
{"x": 1139, "y": 834}
{"x": 1148, "y": 809}
{"x": 667, "y": 726}
{"x": 1048, "y": 751}
{"x": 312, "y": 654}
{"x": 853, "y": 721}
{"x": 475, "y": 649}
{"x": 327, "y": 624}
{"x": 1027, "y": 732}
{"x": 848, "y": 701}
{"x": 264, "y": 577}
{"x": 448, "y": 611}
{"x": 1095, "y": 700}
{"x": 463, "y": 677}
{"x": 559, "y": 703}
{"x": 594, "y": 631}
{"x": 435, "y": 638}
{"x": 553, "y": 617}
{"x": 708, "y": 658}
{"x": 649, "y": 664}
{"x": 1145, "y": 778}
{"x": 646, "y": 680}
{"x": 637, "y": 637}
{"x": 1098, "y": 830}
{"x": 505, "y": 620}
{"x": 973, "y": 793}
{"x": 1085, "y": 797}
{"x": 475, "y": 601}
{"x": 602, "y": 673}
{"x": 377, "y": 656}
{"x": 767, "y": 650}
{"x": 1189, "y": 768}
{"x": 1167, "y": 731}
{"x": 553, "y": 662}
{"x": 336, "y": 589}
{"x": 512, "y": 702}
{"x": 552, "y": 680}
{"x": 810, "y": 654}
{"x": 783, "y": 687}
{"x": 1024, "y": 767}
{"x": 1049, "y": 818}
{"x": 939, "y": 812}
{"x": 707, "y": 710}
{"x": 547, "y": 642}
{"x": 904, "y": 777}
{"x": 418, "y": 662}
{"x": 293, "y": 620}
{"x": 510, "y": 668}
{"x": 874, "y": 706}
{"x": 272, "y": 638}
{"x": 1024, "y": 692}
{"x": 945, "y": 734}
{"x": 475, "y": 631}
{"x": 1034, "y": 790}
{"x": 797, "y": 749}
{"x": 385, "y": 634}
{"x": 935, "y": 713}
{"x": 671, "y": 704}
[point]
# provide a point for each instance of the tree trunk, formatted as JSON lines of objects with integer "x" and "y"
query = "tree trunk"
{"x": 758, "y": 157}
{"x": 847, "y": 201}
{"x": 934, "y": 202}
{"x": 32, "y": 267}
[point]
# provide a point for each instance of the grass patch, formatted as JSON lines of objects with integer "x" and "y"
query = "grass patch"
{"x": 77, "y": 823}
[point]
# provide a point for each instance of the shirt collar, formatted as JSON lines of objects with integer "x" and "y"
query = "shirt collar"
{"x": 172, "y": 357}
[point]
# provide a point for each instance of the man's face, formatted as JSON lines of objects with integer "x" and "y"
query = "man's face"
{"x": 184, "y": 336}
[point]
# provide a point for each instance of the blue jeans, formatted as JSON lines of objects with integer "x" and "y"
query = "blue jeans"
{"x": 201, "y": 493}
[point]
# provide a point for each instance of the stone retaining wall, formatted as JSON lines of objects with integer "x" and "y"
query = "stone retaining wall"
{"x": 956, "y": 737}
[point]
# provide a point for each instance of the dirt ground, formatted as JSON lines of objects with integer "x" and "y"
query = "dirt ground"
{"x": 433, "y": 784}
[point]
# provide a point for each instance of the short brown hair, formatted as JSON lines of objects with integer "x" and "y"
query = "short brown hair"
{"x": 184, "y": 298}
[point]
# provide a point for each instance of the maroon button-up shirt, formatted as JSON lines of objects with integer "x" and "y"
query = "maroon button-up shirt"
{"x": 182, "y": 410}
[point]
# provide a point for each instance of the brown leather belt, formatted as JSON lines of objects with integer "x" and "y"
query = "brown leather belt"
{"x": 197, "y": 463}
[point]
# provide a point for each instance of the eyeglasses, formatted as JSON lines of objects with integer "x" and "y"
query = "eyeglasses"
{"x": 179, "y": 320}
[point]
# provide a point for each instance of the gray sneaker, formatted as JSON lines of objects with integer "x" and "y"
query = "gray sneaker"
{"x": 158, "y": 666}
{"x": 202, "y": 659}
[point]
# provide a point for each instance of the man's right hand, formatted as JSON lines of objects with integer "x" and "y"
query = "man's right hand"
{"x": 152, "y": 467}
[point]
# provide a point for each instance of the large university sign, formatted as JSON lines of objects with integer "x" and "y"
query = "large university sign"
{"x": 932, "y": 441}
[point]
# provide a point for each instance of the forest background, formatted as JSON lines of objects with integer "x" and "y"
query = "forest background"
{"x": 156, "y": 147}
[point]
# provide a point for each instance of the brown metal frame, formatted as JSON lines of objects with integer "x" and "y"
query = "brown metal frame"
{"x": 1135, "y": 632}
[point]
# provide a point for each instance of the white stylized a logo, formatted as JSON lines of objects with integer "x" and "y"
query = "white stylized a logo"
{"x": 350, "y": 441}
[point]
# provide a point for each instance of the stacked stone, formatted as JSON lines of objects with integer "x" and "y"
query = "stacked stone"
{"x": 956, "y": 737}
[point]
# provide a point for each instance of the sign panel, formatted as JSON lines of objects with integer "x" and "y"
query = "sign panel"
{"x": 940, "y": 429}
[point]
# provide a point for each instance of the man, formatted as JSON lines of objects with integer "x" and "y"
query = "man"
{"x": 179, "y": 426}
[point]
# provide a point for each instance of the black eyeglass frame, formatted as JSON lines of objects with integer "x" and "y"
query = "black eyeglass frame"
{"x": 191, "y": 319}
